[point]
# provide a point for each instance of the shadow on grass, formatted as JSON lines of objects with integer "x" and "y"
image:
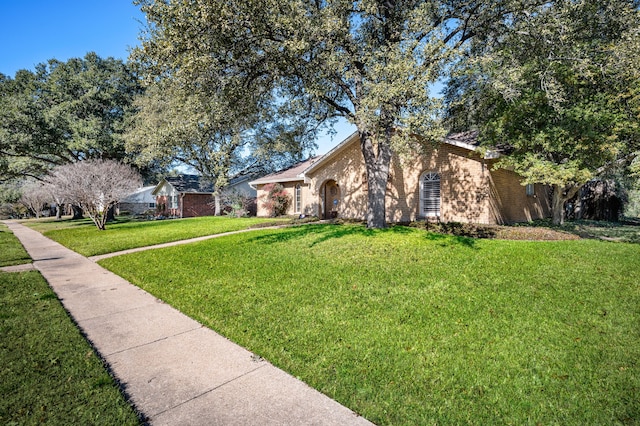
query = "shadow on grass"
{"x": 627, "y": 230}
{"x": 450, "y": 240}
{"x": 326, "y": 232}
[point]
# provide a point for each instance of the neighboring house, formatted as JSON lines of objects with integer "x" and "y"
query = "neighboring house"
{"x": 450, "y": 182}
{"x": 240, "y": 185}
{"x": 183, "y": 196}
{"x": 139, "y": 202}
{"x": 238, "y": 192}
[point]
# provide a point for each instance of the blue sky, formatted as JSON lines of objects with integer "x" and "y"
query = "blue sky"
{"x": 32, "y": 32}
{"x": 36, "y": 31}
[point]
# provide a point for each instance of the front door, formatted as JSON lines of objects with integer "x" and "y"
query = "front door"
{"x": 331, "y": 199}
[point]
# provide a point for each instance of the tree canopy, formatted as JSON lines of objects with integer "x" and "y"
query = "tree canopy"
{"x": 204, "y": 129}
{"x": 64, "y": 112}
{"x": 561, "y": 88}
{"x": 368, "y": 61}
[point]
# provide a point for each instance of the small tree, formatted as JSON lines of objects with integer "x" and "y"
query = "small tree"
{"x": 34, "y": 197}
{"x": 238, "y": 204}
{"x": 95, "y": 186}
{"x": 276, "y": 201}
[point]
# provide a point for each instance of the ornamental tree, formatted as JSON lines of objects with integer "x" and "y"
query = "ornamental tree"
{"x": 35, "y": 195}
{"x": 276, "y": 200}
{"x": 95, "y": 186}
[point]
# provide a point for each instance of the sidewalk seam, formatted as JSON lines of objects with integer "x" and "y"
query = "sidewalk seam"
{"x": 154, "y": 341}
{"x": 212, "y": 389}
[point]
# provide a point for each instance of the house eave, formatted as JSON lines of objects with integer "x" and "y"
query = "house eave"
{"x": 254, "y": 183}
{"x": 489, "y": 154}
{"x": 158, "y": 187}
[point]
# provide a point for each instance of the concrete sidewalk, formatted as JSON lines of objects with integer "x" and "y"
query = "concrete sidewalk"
{"x": 176, "y": 371}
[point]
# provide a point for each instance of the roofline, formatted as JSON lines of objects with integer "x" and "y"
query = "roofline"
{"x": 164, "y": 180}
{"x": 158, "y": 186}
{"x": 263, "y": 182}
{"x": 460, "y": 144}
{"x": 489, "y": 154}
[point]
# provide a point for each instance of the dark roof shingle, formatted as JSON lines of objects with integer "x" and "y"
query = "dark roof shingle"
{"x": 189, "y": 183}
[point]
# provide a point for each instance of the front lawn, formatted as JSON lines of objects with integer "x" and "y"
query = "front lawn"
{"x": 409, "y": 327}
{"x": 83, "y": 237}
{"x": 11, "y": 251}
{"x": 50, "y": 375}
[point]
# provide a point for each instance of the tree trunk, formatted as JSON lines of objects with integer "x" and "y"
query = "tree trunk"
{"x": 59, "y": 210}
{"x": 377, "y": 160}
{"x": 217, "y": 204}
{"x": 111, "y": 213}
{"x": 77, "y": 212}
{"x": 559, "y": 198}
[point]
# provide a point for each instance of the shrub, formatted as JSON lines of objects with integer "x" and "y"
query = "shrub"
{"x": 276, "y": 201}
{"x": 238, "y": 204}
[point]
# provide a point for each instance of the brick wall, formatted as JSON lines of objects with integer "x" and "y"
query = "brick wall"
{"x": 464, "y": 192}
{"x": 510, "y": 202}
{"x": 470, "y": 190}
{"x": 194, "y": 205}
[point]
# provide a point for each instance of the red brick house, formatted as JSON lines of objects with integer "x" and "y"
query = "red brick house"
{"x": 183, "y": 196}
{"x": 453, "y": 181}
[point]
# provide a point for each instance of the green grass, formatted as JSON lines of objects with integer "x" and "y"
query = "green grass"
{"x": 50, "y": 375}
{"x": 83, "y": 237}
{"x": 408, "y": 327}
{"x": 11, "y": 251}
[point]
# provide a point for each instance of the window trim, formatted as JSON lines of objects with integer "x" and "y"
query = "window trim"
{"x": 435, "y": 194}
{"x": 530, "y": 189}
{"x": 297, "y": 198}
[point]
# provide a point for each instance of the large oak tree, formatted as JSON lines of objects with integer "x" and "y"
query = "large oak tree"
{"x": 64, "y": 112}
{"x": 560, "y": 88}
{"x": 371, "y": 62}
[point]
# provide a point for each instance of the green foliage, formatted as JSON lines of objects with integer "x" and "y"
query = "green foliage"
{"x": 632, "y": 209}
{"x": 409, "y": 327}
{"x": 560, "y": 89}
{"x": 50, "y": 374}
{"x": 369, "y": 62}
{"x": 238, "y": 204}
{"x": 63, "y": 112}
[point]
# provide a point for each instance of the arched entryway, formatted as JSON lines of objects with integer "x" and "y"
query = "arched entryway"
{"x": 331, "y": 194}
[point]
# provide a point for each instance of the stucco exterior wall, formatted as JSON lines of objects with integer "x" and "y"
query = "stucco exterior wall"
{"x": 289, "y": 187}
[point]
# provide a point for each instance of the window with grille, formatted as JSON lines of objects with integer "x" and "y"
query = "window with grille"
{"x": 430, "y": 194}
